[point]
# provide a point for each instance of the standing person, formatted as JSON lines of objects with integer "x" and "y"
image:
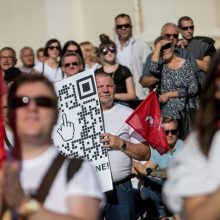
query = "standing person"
{"x": 27, "y": 59}
{"x": 121, "y": 75}
{"x": 50, "y": 67}
{"x": 72, "y": 46}
{"x": 90, "y": 57}
{"x": 171, "y": 32}
{"x": 7, "y": 59}
{"x": 131, "y": 52}
{"x": 202, "y": 48}
{"x": 192, "y": 188}
{"x": 33, "y": 105}
{"x": 178, "y": 85}
{"x": 154, "y": 171}
{"x": 71, "y": 64}
{"x": 40, "y": 55}
{"x": 123, "y": 144}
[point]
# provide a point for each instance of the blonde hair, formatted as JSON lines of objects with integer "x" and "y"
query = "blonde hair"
{"x": 88, "y": 46}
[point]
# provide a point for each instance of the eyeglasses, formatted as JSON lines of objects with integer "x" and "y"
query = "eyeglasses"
{"x": 73, "y": 51}
{"x": 66, "y": 65}
{"x": 174, "y": 35}
{"x": 188, "y": 27}
{"x": 9, "y": 57}
{"x": 108, "y": 49}
{"x": 173, "y": 132}
{"x": 40, "y": 101}
{"x": 123, "y": 26}
{"x": 54, "y": 47}
{"x": 167, "y": 46}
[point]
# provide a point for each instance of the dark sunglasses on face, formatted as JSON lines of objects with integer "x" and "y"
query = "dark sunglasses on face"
{"x": 188, "y": 27}
{"x": 123, "y": 26}
{"x": 109, "y": 49}
{"x": 69, "y": 64}
{"x": 73, "y": 51}
{"x": 173, "y": 132}
{"x": 40, "y": 101}
{"x": 54, "y": 47}
{"x": 167, "y": 46}
{"x": 174, "y": 35}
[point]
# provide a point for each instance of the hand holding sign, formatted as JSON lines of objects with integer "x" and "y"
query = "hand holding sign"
{"x": 65, "y": 128}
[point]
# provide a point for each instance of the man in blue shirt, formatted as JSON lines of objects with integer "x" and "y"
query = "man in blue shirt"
{"x": 154, "y": 170}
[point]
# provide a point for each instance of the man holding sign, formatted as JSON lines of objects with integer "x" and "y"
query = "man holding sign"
{"x": 124, "y": 144}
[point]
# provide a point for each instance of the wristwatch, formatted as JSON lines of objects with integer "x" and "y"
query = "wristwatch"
{"x": 123, "y": 146}
{"x": 30, "y": 207}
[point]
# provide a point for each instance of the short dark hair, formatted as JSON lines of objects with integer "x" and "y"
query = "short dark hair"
{"x": 9, "y": 48}
{"x": 122, "y": 15}
{"x": 70, "y": 54}
{"x": 25, "y": 48}
{"x": 48, "y": 44}
{"x": 183, "y": 18}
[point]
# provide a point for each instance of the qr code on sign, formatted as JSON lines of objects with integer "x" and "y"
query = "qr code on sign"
{"x": 79, "y": 126}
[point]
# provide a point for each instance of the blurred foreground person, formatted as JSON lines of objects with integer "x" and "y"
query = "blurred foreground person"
{"x": 193, "y": 185}
{"x": 47, "y": 187}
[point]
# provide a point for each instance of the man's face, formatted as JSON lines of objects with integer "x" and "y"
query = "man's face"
{"x": 172, "y": 133}
{"x": 7, "y": 59}
{"x": 123, "y": 28}
{"x": 71, "y": 66}
{"x": 27, "y": 57}
{"x": 187, "y": 29}
{"x": 106, "y": 91}
{"x": 34, "y": 122}
{"x": 171, "y": 32}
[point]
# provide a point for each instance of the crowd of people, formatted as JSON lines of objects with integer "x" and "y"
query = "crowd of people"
{"x": 183, "y": 70}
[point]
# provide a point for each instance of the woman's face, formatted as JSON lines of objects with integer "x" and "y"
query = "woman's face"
{"x": 167, "y": 51}
{"x": 54, "y": 50}
{"x": 109, "y": 54}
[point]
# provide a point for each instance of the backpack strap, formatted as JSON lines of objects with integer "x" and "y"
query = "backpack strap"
{"x": 48, "y": 179}
{"x": 73, "y": 167}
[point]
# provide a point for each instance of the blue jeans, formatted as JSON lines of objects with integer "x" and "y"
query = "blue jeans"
{"x": 151, "y": 194}
{"x": 120, "y": 202}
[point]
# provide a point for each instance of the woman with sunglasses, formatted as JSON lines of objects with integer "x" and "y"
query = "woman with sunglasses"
{"x": 72, "y": 46}
{"x": 50, "y": 67}
{"x": 178, "y": 82}
{"x": 123, "y": 79}
{"x": 193, "y": 185}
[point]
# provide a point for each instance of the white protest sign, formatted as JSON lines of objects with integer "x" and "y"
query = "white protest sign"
{"x": 77, "y": 133}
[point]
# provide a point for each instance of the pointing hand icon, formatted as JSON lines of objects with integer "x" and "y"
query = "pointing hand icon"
{"x": 66, "y": 129}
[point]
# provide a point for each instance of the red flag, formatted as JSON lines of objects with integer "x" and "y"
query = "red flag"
{"x": 2, "y": 130}
{"x": 146, "y": 120}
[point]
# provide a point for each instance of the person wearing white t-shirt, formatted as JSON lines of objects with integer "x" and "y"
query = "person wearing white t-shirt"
{"x": 32, "y": 103}
{"x": 50, "y": 67}
{"x": 123, "y": 144}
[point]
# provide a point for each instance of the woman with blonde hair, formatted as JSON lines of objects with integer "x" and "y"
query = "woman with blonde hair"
{"x": 90, "y": 55}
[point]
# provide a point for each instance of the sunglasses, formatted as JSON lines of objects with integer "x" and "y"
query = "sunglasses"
{"x": 108, "y": 49}
{"x": 123, "y": 26}
{"x": 54, "y": 47}
{"x": 167, "y": 46}
{"x": 174, "y": 35}
{"x": 69, "y": 64}
{"x": 188, "y": 27}
{"x": 73, "y": 51}
{"x": 173, "y": 132}
{"x": 40, "y": 101}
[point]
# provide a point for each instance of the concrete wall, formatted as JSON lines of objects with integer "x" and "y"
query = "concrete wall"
{"x": 33, "y": 22}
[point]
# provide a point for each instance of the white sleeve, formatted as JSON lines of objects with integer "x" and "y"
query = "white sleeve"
{"x": 191, "y": 173}
{"x": 39, "y": 67}
{"x": 85, "y": 182}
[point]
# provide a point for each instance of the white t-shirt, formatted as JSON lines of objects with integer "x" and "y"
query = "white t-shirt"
{"x": 114, "y": 122}
{"x": 33, "y": 171}
{"x": 192, "y": 173}
{"x": 52, "y": 74}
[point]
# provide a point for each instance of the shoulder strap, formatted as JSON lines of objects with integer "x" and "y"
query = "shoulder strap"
{"x": 43, "y": 68}
{"x": 73, "y": 167}
{"x": 49, "y": 178}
